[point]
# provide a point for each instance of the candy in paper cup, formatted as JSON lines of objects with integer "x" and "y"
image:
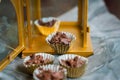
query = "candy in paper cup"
{"x": 53, "y": 69}
{"x": 46, "y": 30}
{"x": 60, "y": 48}
{"x": 30, "y": 67}
{"x": 73, "y": 72}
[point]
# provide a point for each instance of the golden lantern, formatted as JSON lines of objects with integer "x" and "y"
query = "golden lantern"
{"x": 30, "y": 41}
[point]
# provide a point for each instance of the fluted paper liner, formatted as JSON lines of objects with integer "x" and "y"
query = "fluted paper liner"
{"x": 73, "y": 72}
{"x": 45, "y": 30}
{"x": 49, "y": 67}
{"x": 60, "y": 48}
{"x": 31, "y": 68}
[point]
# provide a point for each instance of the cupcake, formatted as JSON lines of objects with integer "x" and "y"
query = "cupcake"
{"x": 60, "y": 41}
{"x": 50, "y": 72}
{"x": 47, "y": 25}
{"x": 74, "y": 64}
{"x": 33, "y": 61}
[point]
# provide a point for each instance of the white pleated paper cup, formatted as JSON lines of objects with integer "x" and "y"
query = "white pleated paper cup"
{"x": 73, "y": 72}
{"x": 31, "y": 68}
{"x": 61, "y": 48}
{"x": 45, "y": 30}
{"x": 54, "y": 68}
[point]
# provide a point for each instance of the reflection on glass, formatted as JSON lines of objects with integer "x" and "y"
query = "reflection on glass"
{"x": 60, "y": 8}
{"x": 8, "y": 29}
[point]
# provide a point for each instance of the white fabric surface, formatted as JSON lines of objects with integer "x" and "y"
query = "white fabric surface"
{"x": 104, "y": 64}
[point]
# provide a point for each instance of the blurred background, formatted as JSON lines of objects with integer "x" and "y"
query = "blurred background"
{"x": 58, "y": 7}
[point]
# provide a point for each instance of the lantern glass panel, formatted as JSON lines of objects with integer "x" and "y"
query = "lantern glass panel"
{"x": 56, "y": 8}
{"x": 8, "y": 29}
